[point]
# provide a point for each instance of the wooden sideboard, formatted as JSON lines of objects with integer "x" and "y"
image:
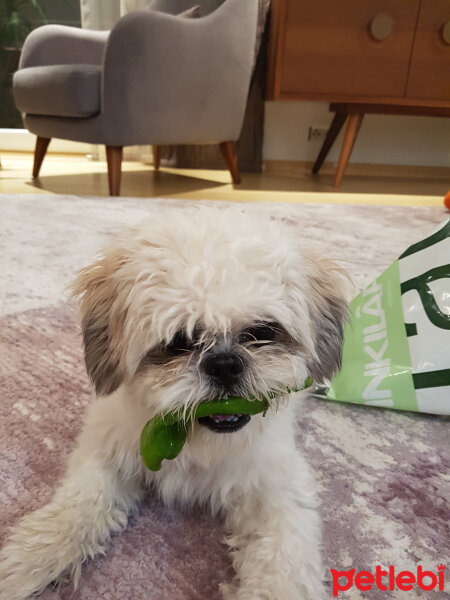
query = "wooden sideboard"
{"x": 388, "y": 56}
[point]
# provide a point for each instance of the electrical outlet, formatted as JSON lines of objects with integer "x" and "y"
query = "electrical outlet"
{"x": 316, "y": 133}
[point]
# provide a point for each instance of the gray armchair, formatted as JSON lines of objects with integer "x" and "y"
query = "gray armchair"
{"x": 156, "y": 78}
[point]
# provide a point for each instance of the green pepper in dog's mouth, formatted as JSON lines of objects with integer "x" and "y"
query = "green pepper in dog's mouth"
{"x": 163, "y": 437}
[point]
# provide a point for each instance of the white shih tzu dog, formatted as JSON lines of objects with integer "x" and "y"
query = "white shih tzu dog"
{"x": 195, "y": 305}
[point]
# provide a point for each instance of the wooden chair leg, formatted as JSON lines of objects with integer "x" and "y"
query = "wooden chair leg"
{"x": 229, "y": 153}
{"x": 332, "y": 133}
{"x": 351, "y": 133}
{"x": 39, "y": 153}
{"x": 156, "y": 157}
{"x": 114, "y": 159}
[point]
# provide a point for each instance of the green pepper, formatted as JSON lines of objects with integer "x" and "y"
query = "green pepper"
{"x": 163, "y": 437}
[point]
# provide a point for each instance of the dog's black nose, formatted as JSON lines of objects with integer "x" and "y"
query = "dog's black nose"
{"x": 225, "y": 367}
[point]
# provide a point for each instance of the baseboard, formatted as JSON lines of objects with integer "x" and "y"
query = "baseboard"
{"x": 21, "y": 140}
{"x": 292, "y": 168}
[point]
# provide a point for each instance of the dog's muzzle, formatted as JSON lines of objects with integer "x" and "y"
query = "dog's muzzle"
{"x": 224, "y": 369}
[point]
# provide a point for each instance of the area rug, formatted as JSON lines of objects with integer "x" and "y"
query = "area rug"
{"x": 383, "y": 475}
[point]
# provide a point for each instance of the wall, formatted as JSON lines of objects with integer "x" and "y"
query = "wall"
{"x": 382, "y": 139}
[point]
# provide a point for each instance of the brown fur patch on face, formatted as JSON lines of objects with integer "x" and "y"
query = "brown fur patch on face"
{"x": 101, "y": 365}
{"x": 165, "y": 369}
{"x": 181, "y": 346}
{"x": 280, "y": 342}
{"x": 96, "y": 291}
{"x": 329, "y": 312}
{"x": 160, "y": 356}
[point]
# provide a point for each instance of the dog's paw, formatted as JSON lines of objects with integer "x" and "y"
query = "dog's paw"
{"x": 228, "y": 591}
{"x": 37, "y": 553}
{"x": 27, "y": 569}
{"x": 19, "y": 577}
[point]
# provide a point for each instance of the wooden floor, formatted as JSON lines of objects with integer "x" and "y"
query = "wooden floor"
{"x": 281, "y": 182}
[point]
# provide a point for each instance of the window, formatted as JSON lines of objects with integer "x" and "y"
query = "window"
{"x": 17, "y": 19}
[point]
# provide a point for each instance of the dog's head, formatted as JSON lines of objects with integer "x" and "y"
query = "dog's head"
{"x": 202, "y": 303}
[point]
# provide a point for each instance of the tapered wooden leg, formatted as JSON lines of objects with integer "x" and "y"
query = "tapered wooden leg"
{"x": 332, "y": 133}
{"x": 229, "y": 153}
{"x": 39, "y": 153}
{"x": 351, "y": 133}
{"x": 114, "y": 159}
{"x": 156, "y": 157}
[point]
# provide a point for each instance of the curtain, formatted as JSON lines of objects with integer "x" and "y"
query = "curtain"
{"x": 103, "y": 14}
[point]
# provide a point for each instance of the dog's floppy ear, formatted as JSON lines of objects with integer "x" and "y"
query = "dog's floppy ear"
{"x": 330, "y": 288}
{"x": 96, "y": 290}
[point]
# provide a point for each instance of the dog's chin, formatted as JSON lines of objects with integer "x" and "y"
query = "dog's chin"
{"x": 225, "y": 423}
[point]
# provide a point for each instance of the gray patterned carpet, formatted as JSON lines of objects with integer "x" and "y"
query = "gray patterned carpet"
{"x": 383, "y": 476}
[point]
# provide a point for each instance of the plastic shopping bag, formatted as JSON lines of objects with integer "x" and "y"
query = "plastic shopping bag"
{"x": 396, "y": 349}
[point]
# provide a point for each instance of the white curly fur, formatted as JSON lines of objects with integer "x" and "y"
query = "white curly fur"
{"x": 220, "y": 271}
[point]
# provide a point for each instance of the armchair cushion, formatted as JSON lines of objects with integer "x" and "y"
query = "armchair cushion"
{"x": 63, "y": 45}
{"x": 59, "y": 90}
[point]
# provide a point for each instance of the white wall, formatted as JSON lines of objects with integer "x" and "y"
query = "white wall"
{"x": 382, "y": 139}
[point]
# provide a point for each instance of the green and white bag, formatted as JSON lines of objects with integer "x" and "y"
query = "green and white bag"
{"x": 396, "y": 351}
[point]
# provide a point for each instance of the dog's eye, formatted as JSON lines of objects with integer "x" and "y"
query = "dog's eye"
{"x": 260, "y": 333}
{"x": 179, "y": 344}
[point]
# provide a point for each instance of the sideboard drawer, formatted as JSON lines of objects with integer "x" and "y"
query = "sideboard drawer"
{"x": 354, "y": 47}
{"x": 430, "y": 66}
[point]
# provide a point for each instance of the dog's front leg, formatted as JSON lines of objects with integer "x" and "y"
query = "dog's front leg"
{"x": 274, "y": 535}
{"x": 92, "y": 502}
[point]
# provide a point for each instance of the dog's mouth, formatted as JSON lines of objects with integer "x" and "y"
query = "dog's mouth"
{"x": 224, "y": 423}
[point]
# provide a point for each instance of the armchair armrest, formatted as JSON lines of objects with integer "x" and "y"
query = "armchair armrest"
{"x": 180, "y": 80}
{"x": 60, "y": 44}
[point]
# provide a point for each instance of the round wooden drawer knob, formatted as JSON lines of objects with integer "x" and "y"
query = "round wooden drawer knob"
{"x": 445, "y": 32}
{"x": 381, "y": 27}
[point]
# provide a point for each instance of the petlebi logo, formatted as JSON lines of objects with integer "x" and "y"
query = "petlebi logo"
{"x": 389, "y": 580}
